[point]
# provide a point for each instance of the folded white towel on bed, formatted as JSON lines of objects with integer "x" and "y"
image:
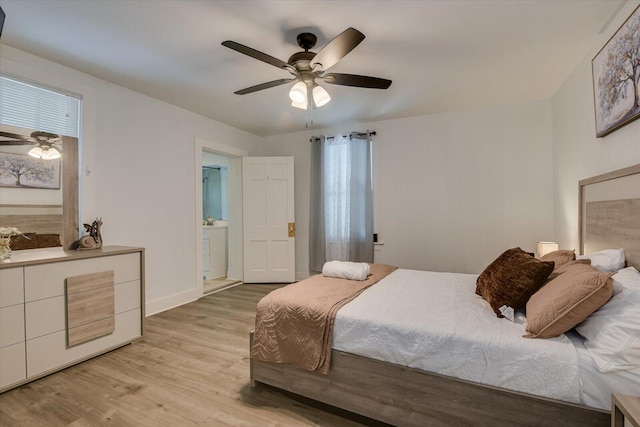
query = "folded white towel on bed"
{"x": 346, "y": 270}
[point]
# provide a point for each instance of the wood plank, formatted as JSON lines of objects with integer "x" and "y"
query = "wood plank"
{"x": 43, "y": 224}
{"x": 90, "y": 302}
{"x": 70, "y": 189}
{"x": 90, "y": 306}
{"x": 90, "y": 331}
{"x": 582, "y": 184}
{"x": 87, "y": 282}
{"x": 614, "y": 224}
{"x": 626, "y": 410}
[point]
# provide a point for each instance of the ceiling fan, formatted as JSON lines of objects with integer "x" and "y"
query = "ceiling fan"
{"x": 307, "y": 67}
{"x": 44, "y": 143}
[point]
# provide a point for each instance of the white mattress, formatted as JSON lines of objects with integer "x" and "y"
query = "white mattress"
{"x": 436, "y": 322}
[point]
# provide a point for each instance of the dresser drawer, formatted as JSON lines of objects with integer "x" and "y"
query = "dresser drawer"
{"x": 11, "y": 286}
{"x": 48, "y": 280}
{"x": 128, "y": 296}
{"x": 47, "y": 316}
{"x": 12, "y": 364}
{"x": 50, "y": 352}
{"x": 11, "y": 325}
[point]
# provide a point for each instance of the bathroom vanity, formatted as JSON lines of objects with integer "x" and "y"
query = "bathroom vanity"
{"x": 214, "y": 250}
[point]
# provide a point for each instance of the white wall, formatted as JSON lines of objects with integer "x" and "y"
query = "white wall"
{"x": 577, "y": 153}
{"x": 452, "y": 191}
{"x": 140, "y": 153}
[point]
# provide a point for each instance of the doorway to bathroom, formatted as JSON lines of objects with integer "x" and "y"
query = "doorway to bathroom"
{"x": 218, "y": 184}
{"x": 215, "y": 223}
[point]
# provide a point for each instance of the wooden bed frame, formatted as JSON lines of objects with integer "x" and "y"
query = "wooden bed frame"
{"x": 32, "y": 218}
{"x": 405, "y": 396}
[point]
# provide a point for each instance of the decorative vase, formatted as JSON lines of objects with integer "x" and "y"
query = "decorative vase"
{"x": 5, "y": 249}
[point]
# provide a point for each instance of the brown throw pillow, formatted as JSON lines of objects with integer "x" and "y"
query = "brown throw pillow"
{"x": 23, "y": 241}
{"x": 511, "y": 279}
{"x": 567, "y": 300}
{"x": 560, "y": 257}
{"x": 47, "y": 240}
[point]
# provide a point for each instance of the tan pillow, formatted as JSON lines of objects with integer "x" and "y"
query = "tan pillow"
{"x": 560, "y": 257}
{"x": 511, "y": 279}
{"x": 564, "y": 267}
{"x": 567, "y": 300}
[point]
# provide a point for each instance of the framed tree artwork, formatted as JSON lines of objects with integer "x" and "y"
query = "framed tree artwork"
{"x": 616, "y": 78}
{"x": 22, "y": 171}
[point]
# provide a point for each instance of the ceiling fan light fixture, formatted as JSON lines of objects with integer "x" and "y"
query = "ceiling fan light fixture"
{"x": 50, "y": 154}
{"x": 300, "y": 105}
{"x": 298, "y": 93}
{"x": 36, "y": 152}
{"x": 320, "y": 96}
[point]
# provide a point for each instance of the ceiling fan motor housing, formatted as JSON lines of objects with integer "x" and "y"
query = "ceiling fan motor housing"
{"x": 306, "y": 40}
{"x": 300, "y": 60}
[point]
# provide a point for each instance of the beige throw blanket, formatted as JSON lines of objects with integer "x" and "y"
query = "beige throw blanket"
{"x": 294, "y": 324}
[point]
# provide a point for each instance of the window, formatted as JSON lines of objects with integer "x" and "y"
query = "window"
{"x": 341, "y": 200}
{"x": 31, "y": 107}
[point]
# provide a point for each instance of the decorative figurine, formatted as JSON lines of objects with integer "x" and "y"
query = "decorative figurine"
{"x": 91, "y": 241}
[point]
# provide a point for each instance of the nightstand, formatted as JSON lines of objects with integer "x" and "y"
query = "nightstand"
{"x": 625, "y": 410}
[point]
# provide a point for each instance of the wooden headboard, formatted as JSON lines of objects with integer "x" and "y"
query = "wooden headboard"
{"x": 42, "y": 219}
{"x": 609, "y": 213}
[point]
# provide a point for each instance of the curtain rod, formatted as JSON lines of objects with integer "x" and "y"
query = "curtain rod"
{"x": 357, "y": 134}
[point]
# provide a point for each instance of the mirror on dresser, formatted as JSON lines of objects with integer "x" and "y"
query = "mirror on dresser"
{"x": 47, "y": 210}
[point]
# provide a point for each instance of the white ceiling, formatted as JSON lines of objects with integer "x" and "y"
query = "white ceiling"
{"x": 442, "y": 55}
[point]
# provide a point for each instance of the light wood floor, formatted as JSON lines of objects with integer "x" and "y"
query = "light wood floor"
{"x": 192, "y": 368}
{"x": 213, "y": 285}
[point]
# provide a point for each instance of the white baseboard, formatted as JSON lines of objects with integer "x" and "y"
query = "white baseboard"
{"x": 165, "y": 303}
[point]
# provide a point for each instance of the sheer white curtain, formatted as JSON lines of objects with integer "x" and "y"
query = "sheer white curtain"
{"x": 341, "y": 200}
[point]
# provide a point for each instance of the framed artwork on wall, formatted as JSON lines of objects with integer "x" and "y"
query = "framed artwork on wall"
{"x": 22, "y": 171}
{"x": 616, "y": 78}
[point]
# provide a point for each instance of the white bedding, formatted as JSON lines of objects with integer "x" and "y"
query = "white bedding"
{"x": 436, "y": 322}
{"x": 598, "y": 386}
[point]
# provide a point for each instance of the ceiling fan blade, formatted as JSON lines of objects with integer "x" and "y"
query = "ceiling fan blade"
{"x": 13, "y": 136}
{"x": 260, "y": 56}
{"x": 337, "y": 48}
{"x": 356, "y": 80}
{"x": 261, "y": 86}
{"x": 14, "y": 142}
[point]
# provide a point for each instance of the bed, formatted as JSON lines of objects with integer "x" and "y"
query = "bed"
{"x": 408, "y": 393}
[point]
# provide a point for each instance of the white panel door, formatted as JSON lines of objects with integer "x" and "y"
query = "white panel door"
{"x": 268, "y": 218}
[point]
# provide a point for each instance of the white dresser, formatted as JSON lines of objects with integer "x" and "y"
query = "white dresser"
{"x": 47, "y": 325}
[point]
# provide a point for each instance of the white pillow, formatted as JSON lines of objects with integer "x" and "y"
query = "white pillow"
{"x": 612, "y": 333}
{"x": 606, "y": 260}
{"x": 628, "y": 278}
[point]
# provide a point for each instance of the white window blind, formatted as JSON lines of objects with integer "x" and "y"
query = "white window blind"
{"x": 36, "y": 108}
